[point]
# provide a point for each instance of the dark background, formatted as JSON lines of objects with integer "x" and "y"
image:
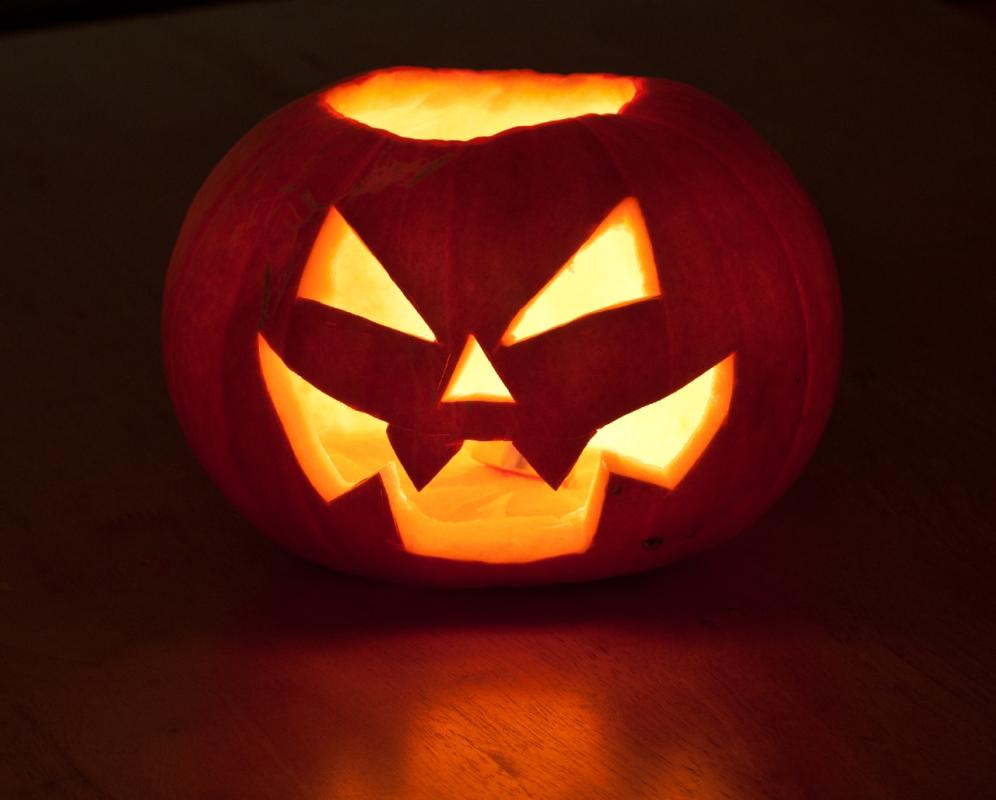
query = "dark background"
{"x": 152, "y": 645}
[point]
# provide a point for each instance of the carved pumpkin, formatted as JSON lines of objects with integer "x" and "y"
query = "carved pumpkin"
{"x": 467, "y": 328}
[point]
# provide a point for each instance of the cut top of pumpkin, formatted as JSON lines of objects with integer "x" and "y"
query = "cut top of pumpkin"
{"x": 460, "y": 105}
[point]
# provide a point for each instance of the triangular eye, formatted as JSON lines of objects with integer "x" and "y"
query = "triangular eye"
{"x": 342, "y": 273}
{"x": 614, "y": 267}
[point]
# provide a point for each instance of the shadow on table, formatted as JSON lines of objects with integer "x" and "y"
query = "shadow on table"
{"x": 622, "y": 688}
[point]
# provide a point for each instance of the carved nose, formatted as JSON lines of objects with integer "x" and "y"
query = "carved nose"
{"x": 475, "y": 378}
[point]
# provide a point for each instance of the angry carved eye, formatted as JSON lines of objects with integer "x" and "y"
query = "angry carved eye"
{"x": 613, "y": 268}
{"x": 341, "y": 272}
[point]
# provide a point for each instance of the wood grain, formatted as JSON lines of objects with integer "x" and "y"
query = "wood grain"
{"x": 153, "y": 646}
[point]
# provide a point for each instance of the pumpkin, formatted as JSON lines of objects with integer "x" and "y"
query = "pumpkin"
{"x": 462, "y": 328}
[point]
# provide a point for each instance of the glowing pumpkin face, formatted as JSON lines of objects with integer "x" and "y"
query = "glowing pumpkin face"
{"x": 461, "y": 480}
{"x": 467, "y": 327}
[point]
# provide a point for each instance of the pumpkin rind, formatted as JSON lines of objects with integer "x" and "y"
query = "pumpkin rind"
{"x": 470, "y": 231}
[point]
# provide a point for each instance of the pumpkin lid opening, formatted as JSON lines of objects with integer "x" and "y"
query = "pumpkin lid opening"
{"x": 459, "y": 105}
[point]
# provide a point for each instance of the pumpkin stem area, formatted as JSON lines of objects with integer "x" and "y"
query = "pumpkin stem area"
{"x": 459, "y": 105}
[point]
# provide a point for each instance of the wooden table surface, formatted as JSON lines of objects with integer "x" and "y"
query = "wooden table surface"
{"x": 152, "y": 645}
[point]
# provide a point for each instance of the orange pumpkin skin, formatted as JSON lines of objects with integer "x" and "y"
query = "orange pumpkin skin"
{"x": 744, "y": 268}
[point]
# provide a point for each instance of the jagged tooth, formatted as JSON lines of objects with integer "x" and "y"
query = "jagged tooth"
{"x": 422, "y": 455}
{"x": 552, "y": 459}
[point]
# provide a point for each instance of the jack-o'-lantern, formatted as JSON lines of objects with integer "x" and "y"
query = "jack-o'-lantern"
{"x": 465, "y": 328}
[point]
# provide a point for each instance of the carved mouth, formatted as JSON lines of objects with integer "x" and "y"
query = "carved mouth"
{"x": 487, "y": 504}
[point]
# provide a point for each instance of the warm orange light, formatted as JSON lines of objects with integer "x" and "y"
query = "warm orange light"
{"x": 518, "y": 738}
{"x": 458, "y": 105}
{"x": 485, "y": 504}
{"x": 341, "y": 272}
{"x": 474, "y": 378}
{"x": 614, "y": 267}
{"x": 335, "y": 445}
{"x": 660, "y": 442}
